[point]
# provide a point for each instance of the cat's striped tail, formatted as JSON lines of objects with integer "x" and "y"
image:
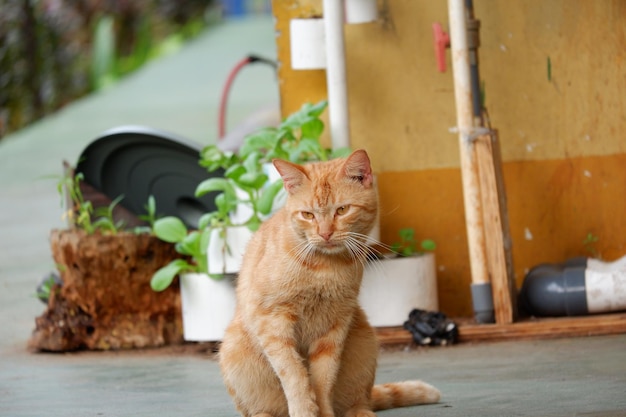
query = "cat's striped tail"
{"x": 403, "y": 394}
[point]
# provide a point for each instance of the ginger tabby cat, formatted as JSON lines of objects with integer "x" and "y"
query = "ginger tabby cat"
{"x": 299, "y": 344}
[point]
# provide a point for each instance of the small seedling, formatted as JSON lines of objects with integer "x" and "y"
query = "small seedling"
{"x": 150, "y": 217}
{"x": 104, "y": 218}
{"x": 80, "y": 212}
{"x": 589, "y": 242}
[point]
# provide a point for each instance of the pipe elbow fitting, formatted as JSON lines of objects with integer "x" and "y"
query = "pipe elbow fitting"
{"x": 556, "y": 290}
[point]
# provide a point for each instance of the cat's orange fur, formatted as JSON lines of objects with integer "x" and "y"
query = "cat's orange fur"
{"x": 299, "y": 344}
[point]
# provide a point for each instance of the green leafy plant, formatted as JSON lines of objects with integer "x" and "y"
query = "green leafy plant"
{"x": 408, "y": 245}
{"x": 193, "y": 245}
{"x": 81, "y": 214}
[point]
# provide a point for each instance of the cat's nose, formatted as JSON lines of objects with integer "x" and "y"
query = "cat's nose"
{"x": 326, "y": 235}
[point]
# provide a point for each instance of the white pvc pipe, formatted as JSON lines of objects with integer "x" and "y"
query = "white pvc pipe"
{"x": 469, "y": 169}
{"x": 336, "y": 74}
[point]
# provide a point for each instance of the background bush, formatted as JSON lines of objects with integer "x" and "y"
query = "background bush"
{"x": 49, "y": 54}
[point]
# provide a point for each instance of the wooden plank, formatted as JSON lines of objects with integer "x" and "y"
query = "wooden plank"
{"x": 495, "y": 223}
{"x": 545, "y": 328}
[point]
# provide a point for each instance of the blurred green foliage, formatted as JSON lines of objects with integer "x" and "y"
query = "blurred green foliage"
{"x": 53, "y": 51}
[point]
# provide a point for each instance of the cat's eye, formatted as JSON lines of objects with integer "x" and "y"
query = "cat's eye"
{"x": 342, "y": 210}
{"x": 307, "y": 215}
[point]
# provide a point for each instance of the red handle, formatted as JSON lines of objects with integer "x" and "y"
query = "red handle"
{"x": 442, "y": 41}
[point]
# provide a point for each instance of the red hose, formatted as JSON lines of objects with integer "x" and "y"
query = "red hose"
{"x": 231, "y": 77}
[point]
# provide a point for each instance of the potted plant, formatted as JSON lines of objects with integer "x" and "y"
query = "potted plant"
{"x": 105, "y": 265}
{"x": 397, "y": 283}
{"x": 207, "y": 301}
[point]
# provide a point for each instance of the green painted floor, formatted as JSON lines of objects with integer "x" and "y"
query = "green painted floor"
{"x": 180, "y": 94}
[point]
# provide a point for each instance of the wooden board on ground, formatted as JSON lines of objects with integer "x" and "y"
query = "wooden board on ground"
{"x": 545, "y": 328}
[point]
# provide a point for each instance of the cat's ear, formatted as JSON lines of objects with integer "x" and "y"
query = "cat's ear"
{"x": 293, "y": 175}
{"x": 358, "y": 168}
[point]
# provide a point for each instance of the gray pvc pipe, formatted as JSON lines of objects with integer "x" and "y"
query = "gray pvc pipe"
{"x": 482, "y": 301}
{"x": 556, "y": 289}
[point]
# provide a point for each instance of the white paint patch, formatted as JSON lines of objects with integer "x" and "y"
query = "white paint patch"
{"x": 503, "y": 47}
{"x": 606, "y": 291}
{"x": 587, "y": 174}
{"x": 442, "y": 268}
{"x": 527, "y": 234}
{"x": 587, "y": 137}
{"x": 531, "y": 147}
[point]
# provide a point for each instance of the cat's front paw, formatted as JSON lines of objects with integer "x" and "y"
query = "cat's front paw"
{"x": 310, "y": 409}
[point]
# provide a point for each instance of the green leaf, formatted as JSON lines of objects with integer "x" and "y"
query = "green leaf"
{"x": 235, "y": 171}
{"x": 170, "y": 229}
{"x": 164, "y": 276}
{"x": 313, "y": 129}
{"x": 253, "y": 223}
{"x": 215, "y": 184}
{"x": 190, "y": 245}
{"x": 252, "y": 162}
{"x": 317, "y": 109}
{"x": 151, "y": 206}
{"x": 254, "y": 180}
{"x": 266, "y": 201}
{"x": 225, "y": 205}
{"x": 407, "y": 234}
{"x": 429, "y": 245}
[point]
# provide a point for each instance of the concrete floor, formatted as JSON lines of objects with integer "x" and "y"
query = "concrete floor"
{"x": 180, "y": 93}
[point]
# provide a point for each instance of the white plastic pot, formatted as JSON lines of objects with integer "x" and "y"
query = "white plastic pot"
{"x": 208, "y": 306}
{"x": 392, "y": 287}
{"x": 225, "y": 253}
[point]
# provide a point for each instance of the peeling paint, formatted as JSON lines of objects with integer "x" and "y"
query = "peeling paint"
{"x": 527, "y": 234}
{"x": 531, "y": 146}
{"x": 587, "y": 174}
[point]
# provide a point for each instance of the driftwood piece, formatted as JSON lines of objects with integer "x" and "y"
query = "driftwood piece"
{"x": 106, "y": 301}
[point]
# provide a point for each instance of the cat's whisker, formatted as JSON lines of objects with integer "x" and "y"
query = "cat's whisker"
{"x": 301, "y": 253}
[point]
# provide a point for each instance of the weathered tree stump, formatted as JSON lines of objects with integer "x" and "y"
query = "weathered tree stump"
{"x": 106, "y": 301}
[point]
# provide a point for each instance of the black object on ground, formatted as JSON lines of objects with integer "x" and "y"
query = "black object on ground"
{"x": 431, "y": 328}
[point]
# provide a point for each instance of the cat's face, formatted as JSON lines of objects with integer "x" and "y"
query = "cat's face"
{"x": 332, "y": 205}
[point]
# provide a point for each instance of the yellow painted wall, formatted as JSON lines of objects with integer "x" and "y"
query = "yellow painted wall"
{"x": 563, "y": 134}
